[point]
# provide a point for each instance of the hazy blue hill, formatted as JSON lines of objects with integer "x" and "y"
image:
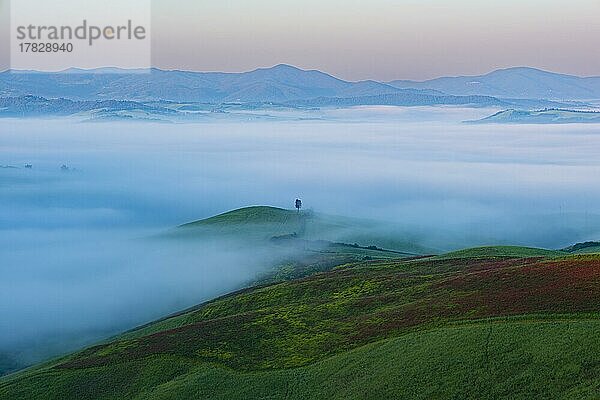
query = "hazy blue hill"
{"x": 50, "y": 85}
{"x": 549, "y": 116}
{"x": 38, "y": 106}
{"x": 518, "y": 82}
{"x": 306, "y": 84}
{"x": 405, "y": 98}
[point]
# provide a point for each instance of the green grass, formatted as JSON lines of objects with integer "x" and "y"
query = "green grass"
{"x": 482, "y": 360}
{"x": 589, "y": 250}
{"x": 475, "y": 327}
{"x": 250, "y": 223}
{"x": 252, "y": 215}
{"x": 584, "y": 248}
{"x": 261, "y": 223}
{"x": 502, "y": 251}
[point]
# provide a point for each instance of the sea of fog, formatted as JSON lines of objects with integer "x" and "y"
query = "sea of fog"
{"x": 74, "y": 264}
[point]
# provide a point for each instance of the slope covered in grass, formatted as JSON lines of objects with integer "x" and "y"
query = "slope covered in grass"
{"x": 502, "y": 251}
{"x": 584, "y": 248}
{"x": 589, "y": 250}
{"x": 252, "y": 215}
{"x": 513, "y": 359}
{"x": 473, "y": 327}
{"x": 261, "y": 223}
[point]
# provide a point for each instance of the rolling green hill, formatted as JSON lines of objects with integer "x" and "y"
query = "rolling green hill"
{"x": 305, "y": 241}
{"x": 584, "y": 248}
{"x": 262, "y": 215}
{"x": 589, "y": 250}
{"x": 261, "y": 223}
{"x": 508, "y": 323}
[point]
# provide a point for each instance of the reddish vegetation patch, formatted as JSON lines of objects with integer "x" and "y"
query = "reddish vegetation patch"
{"x": 492, "y": 288}
{"x": 493, "y": 264}
{"x": 465, "y": 265}
{"x": 555, "y": 286}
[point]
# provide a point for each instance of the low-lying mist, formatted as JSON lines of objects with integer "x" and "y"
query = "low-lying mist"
{"x": 61, "y": 289}
{"x": 76, "y": 263}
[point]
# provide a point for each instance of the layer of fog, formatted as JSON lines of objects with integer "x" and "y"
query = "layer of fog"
{"x": 62, "y": 289}
{"x": 74, "y": 269}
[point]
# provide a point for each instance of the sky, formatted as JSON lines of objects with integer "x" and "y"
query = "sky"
{"x": 375, "y": 39}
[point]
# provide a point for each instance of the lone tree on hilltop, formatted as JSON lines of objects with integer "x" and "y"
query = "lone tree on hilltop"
{"x": 298, "y": 204}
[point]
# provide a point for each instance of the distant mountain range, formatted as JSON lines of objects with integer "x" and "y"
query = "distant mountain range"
{"x": 172, "y": 95}
{"x": 285, "y": 84}
{"x": 520, "y": 83}
{"x": 279, "y": 84}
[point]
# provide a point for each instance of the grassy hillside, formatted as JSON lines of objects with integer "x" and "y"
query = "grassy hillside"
{"x": 589, "y": 250}
{"x": 584, "y": 248}
{"x": 252, "y": 215}
{"x": 261, "y": 223}
{"x": 502, "y": 252}
{"x": 513, "y": 360}
{"x": 479, "y": 326}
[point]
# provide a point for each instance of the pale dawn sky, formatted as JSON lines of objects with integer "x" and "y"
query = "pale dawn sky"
{"x": 375, "y": 39}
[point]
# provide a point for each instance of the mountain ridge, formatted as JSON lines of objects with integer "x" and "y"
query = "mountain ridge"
{"x": 516, "y": 82}
{"x": 284, "y": 83}
{"x": 277, "y": 84}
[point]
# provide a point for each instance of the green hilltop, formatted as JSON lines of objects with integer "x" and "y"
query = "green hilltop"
{"x": 252, "y": 215}
{"x": 260, "y": 223}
